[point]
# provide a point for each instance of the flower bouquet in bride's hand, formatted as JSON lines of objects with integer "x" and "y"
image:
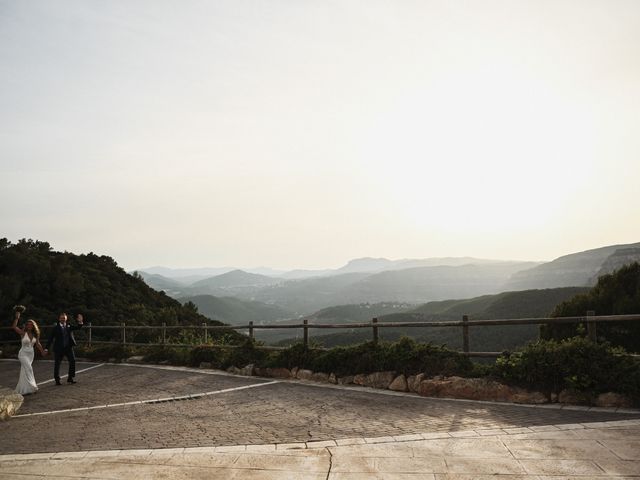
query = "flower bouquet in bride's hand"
{"x": 19, "y": 308}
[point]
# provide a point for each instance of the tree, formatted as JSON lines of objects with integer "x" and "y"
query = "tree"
{"x": 617, "y": 293}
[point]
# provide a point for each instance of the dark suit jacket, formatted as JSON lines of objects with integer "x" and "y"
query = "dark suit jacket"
{"x": 56, "y": 337}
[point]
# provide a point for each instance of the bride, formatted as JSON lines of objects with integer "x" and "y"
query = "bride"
{"x": 30, "y": 337}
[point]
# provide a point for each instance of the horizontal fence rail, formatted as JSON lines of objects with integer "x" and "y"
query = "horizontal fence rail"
{"x": 203, "y": 331}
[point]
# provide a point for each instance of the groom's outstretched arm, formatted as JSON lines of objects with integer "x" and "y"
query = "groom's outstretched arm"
{"x": 80, "y": 320}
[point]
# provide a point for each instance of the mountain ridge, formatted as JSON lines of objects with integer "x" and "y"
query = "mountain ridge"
{"x": 571, "y": 270}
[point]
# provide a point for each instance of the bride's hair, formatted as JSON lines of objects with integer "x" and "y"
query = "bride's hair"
{"x": 36, "y": 329}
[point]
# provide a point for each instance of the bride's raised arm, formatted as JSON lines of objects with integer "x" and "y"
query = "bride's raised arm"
{"x": 18, "y": 309}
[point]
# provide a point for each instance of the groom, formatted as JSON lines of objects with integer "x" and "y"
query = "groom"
{"x": 63, "y": 343}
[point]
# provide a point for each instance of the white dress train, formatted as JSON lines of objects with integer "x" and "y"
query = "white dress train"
{"x": 27, "y": 382}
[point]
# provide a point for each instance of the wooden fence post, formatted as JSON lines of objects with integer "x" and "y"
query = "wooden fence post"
{"x": 591, "y": 327}
{"x": 206, "y": 333}
{"x": 124, "y": 333}
{"x": 305, "y": 333}
{"x": 89, "y": 334}
{"x": 251, "y": 330}
{"x": 465, "y": 334}
{"x": 164, "y": 332}
{"x": 374, "y": 325}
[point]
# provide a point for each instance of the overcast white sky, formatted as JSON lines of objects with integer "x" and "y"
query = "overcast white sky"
{"x": 304, "y": 133}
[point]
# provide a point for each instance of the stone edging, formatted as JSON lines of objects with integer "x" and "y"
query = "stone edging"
{"x": 380, "y": 391}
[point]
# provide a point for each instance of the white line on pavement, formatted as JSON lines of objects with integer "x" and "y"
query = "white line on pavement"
{"x": 79, "y": 371}
{"x": 155, "y": 400}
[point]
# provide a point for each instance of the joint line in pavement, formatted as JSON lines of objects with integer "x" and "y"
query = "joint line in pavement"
{"x": 192, "y": 396}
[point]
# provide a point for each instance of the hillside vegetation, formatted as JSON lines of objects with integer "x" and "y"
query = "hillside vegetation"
{"x": 617, "y": 293}
{"x": 235, "y": 311}
{"x": 48, "y": 282}
{"x": 361, "y": 312}
{"x": 525, "y": 304}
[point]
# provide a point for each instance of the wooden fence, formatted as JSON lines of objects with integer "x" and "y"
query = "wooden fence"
{"x": 590, "y": 320}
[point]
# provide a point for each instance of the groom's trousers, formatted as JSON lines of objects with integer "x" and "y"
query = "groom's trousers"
{"x": 71, "y": 358}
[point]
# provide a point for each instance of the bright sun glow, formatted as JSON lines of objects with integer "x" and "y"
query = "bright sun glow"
{"x": 303, "y": 134}
{"x": 478, "y": 154}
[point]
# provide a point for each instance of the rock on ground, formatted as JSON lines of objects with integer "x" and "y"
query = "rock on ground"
{"x": 10, "y": 403}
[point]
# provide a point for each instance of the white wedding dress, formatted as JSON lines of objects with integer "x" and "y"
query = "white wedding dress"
{"x": 27, "y": 382}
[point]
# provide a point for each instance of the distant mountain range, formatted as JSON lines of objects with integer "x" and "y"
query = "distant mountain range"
{"x": 374, "y": 280}
{"x": 191, "y": 275}
{"x": 234, "y": 279}
{"x": 363, "y": 265}
{"x": 577, "y": 269}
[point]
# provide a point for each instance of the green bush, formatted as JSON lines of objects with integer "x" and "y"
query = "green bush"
{"x": 105, "y": 352}
{"x": 206, "y": 353}
{"x": 10, "y": 350}
{"x": 244, "y": 354}
{"x": 409, "y": 357}
{"x": 172, "y": 355}
{"x": 294, "y": 356}
{"x": 363, "y": 358}
{"x": 405, "y": 356}
{"x": 576, "y": 363}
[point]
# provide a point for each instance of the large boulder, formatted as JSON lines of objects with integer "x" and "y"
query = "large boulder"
{"x": 413, "y": 382}
{"x": 573, "y": 397}
{"x": 375, "y": 380}
{"x": 10, "y": 403}
{"x": 346, "y": 380}
{"x": 278, "y": 372}
{"x": 303, "y": 374}
{"x": 399, "y": 384}
{"x": 520, "y": 395}
{"x": 477, "y": 389}
{"x": 320, "y": 377}
{"x": 611, "y": 399}
{"x": 247, "y": 370}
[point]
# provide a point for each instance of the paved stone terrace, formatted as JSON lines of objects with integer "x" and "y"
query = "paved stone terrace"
{"x": 239, "y": 410}
{"x": 597, "y": 451}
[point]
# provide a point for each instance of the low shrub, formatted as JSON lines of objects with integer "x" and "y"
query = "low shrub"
{"x": 238, "y": 356}
{"x": 404, "y": 356}
{"x": 294, "y": 356}
{"x": 172, "y": 355}
{"x": 244, "y": 354}
{"x": 9, "y": 350}
{"x": 409, "y": 357}
{"x": 105, "y": 352}
{"x": 206, "y": 353}
{"x": 576, "y": 363}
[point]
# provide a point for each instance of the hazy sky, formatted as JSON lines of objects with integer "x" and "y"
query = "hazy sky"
{"x": 304, "y": 133}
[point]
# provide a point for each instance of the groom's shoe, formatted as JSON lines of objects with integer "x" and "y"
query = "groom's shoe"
{"x": 58, "y": 382}
{"x": 71, "y": 380}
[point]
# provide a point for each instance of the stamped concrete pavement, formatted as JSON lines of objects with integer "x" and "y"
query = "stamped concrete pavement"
{"x": 608, "y": 450}
{"x": 122, "y": 421}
